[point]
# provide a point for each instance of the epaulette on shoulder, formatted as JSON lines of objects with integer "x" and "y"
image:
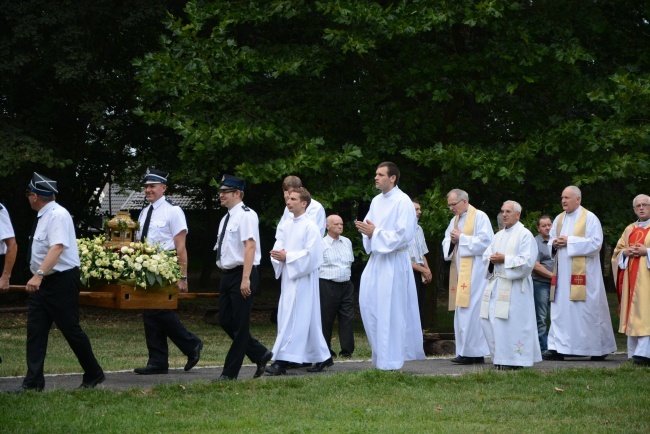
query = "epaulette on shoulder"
{"x": 171, "y": 202}
{"x": 245, "y": 208}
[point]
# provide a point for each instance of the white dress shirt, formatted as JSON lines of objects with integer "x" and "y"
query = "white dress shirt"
{"x": 6, "y": 230}
{"x": 243, "y": 225}
{"x": 337, "y": 259}
{"x": 166, "y": 222}
{"x": 54, "y": 227}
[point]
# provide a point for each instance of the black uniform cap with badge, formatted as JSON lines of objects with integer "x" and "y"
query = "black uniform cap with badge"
{"x": 154, "y": 176}
{"x": 230, "y": 182}
{"x": 42, "y": 185}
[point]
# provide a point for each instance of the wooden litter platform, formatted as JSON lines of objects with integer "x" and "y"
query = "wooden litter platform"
{"x": 118, "y": 296}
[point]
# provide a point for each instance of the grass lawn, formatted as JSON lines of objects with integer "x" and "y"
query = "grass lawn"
{"x": 369, "y": 401}
{"x": 588, "y": 400}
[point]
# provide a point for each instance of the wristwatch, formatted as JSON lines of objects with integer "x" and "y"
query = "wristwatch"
{"x": 40, "y": 272}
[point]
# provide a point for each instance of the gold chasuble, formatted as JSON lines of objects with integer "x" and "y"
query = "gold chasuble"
{"x": 578, "y": 263}
{"x": 633, "y": 284}
{"x": 459, "y": 283}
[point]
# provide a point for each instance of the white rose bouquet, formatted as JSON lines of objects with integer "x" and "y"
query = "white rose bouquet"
{"x": 139, "y": 264}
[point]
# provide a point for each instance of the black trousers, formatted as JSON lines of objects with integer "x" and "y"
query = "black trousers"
{"x": 419, "y": 286}
{"x": 57, "y": 301}
{"x": 160, "y": 324}
{"x": 337, "y": 299}
{"x": 235, "y": 319}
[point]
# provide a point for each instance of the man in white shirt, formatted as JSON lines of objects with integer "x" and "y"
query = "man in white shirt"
{"x": 8, "y": 248}
{"x": 336, "y": 289}
{"x": 162, "y": 223}
{"x": 238, "y": 256}
{"x": 421, "y": 272}
{"x": 54, "y": 287}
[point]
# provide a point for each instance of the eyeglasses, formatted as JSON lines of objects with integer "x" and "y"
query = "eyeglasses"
{"x": 226, "y": 191}
{"x": 451, "y": 205}
{"x": 641, "y": 205}
{"x": 30, "y": 194}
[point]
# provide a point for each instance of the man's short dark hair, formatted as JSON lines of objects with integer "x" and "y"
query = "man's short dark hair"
{"x": 539, "y": 220}
{"x": 291, "y": 182}
{"x": 392, "y": 169}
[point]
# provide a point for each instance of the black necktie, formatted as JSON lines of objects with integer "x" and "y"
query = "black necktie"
{"x": 223, "y": 233}
{"x": 31, "y": 240}
{"x": 145, "y": 228}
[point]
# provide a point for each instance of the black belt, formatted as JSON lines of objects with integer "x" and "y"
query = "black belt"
{"x": 55, "y": 272}
{"x": 232, "y": 270}
{"x": 334, "y": 281}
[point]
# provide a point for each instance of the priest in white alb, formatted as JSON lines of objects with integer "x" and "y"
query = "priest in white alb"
{"x": 580, "y": 321}
{"x": 387, "y": 293}
{"x": 468, "y": 235}
{"x": 508, "y": 305}
{"x": 296, "y": 257}
{"x": 633, "y": 282}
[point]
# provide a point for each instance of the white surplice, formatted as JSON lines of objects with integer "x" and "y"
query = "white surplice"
{"x": 300, "y": 334}
{"x": 387, "y": 294}
{"x": 581, "y": 328}
{"x": 470, "y": 339}
{"x": 513, "y": 341}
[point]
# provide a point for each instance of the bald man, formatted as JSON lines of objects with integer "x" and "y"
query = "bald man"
{"x": 336, "y": 289}
{"x": 580, "y": 321}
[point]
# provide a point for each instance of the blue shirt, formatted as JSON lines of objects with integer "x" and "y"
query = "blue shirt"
{"x": 544, "y": 258}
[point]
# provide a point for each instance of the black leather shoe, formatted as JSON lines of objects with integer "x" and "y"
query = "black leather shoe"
{"x": 462, "y": 360}
{"x": 225, "y": 378}
{"x": 598, "y": 358}
{"x": 24, "y": 388}
{"x": 151, "y": 370}
{"x": 276, "y": 369}
{"x": 261, "y": 365}
{"x": 193, "y": 358}
{"x": 294, "y": 365}
{"x": 641, "y": 361}
{"x": 318, "y": 367}
{"x": 92, "y": 383}
{"x": 552, "y": 355}
{"x": 345, "y": 356}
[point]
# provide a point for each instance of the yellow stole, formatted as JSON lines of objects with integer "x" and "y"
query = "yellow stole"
{"x": 578, "y": 290}
{"x": 459, "y": 283}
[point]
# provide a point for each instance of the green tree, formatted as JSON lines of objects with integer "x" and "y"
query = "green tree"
{"x": 506, "y": 99}
{"x": 67, "y": 89}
